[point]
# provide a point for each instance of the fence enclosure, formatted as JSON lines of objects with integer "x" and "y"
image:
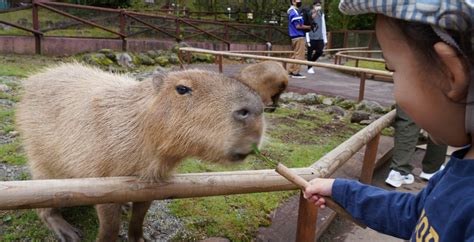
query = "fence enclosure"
{"x": 55, "y": 28}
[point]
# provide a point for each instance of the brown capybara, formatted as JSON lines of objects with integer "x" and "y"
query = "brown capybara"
{"x": 78, "y": 121}
{"x": 268, "y": 78}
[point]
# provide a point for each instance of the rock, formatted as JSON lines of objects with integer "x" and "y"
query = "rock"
{"x": 162, "y": 60}
{"x": 347, "y": 104}
{"x": 208, "y": 58}
{"x": 327, "y": 101}
{"x": 338, "y": 99}
{"x": 359, "y": 116}
{"x": 124, "y": 60}
{"x": 173, "y": 59}
{"x": 370, "y": 106}
{"x": 159, "y": 70}
{"x": 6, "y": 102}
{"x": 290, "y": 106}
{"x": 152, "y": 54}
{"x": 336, "y": 110}
{"x": 250, "y": 61}
{"x": 97, "y": 59}
{"x": 310, "y": 99}
{"x": 13, "y": 133}
{"x": 366, "y": 122}
{"x": 287, "y": 97}
{"x": 145, "y": 59}
{"x": 5, "y": 88}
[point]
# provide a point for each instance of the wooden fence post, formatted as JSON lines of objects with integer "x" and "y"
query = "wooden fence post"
{"x": 219, "y": 57}
{"x": 36, "y": 26}
{"x": 369, "y": 160}
{"x": 307, "y": 218}
{"x": 123, "y": 26}
{"x": 361, "y": 87}
{"x": 178, "y": 31}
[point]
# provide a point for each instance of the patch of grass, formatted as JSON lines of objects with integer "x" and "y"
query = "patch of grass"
{"x": 367, "y": 64}
{"x": 25, "y": 224}
{"x": 24, "y": 65}
{"x": 21, "y": 224}
{"x": 12, "y": 153}
{"x": 236, "y": 217}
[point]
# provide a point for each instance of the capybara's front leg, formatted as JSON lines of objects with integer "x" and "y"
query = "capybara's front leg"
{"x": 109, "y": 220}
{"x": 135, "y": 231}
{"x": 55, "y": 221}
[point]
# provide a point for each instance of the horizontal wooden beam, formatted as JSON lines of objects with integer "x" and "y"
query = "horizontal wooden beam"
{"x": 87, "y": 191}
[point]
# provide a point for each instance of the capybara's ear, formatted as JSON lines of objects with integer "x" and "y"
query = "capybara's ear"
{"x": 158, "y": 80}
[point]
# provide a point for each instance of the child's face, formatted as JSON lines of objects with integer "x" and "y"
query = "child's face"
{"x": 420, "y": 90}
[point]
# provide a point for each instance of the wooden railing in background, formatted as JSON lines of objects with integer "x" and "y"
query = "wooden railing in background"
{"x": 361, "y": 72}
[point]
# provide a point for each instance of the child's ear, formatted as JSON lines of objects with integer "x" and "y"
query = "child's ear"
{"x": 457, "y": 76}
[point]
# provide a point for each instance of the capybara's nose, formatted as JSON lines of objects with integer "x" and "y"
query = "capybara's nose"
{"x": 246, "y": 113}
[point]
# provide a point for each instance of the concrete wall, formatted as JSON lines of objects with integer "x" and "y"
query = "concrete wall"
{"x": 56, "y": 46}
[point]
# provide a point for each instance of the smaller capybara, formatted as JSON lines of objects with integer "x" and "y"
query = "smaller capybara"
{"x": 78, "y": 121}
{"x": 268, "y": 78}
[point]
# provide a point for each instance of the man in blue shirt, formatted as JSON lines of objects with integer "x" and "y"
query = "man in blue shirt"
{"x": 296, "y": 31}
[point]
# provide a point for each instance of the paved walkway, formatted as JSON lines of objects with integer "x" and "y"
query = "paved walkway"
{"x": 325, "y": 82}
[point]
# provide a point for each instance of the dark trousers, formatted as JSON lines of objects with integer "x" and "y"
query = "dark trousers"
{"x": 406, "y": 138}
{"x": 315, "y": 50}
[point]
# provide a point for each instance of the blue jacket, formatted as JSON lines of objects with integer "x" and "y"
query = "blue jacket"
{"x": 443, "y": 210}
{"x": 294, "y": 18}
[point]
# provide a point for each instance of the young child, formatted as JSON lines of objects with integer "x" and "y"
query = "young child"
{"x": 428, "y": 44}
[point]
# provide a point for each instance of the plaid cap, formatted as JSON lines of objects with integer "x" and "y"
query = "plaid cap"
{"x": 447, "y": 14}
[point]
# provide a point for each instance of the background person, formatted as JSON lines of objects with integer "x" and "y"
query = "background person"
{"x": 316, "y": 39}
{"x": 405, "y": 141}
{"x": 296, "y": 31}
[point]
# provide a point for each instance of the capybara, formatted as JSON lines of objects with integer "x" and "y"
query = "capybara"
{"x": 78, "y": 121}
{"x": 268, "y": 78}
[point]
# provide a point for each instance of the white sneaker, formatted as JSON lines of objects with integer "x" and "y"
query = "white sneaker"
{"x": 427, "y": 176}
{"x": 396, "y": 179}
{"x": 311, "y": 70}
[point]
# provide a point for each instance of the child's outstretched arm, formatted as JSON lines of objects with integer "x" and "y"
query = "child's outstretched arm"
{"x": 393, "y": 213}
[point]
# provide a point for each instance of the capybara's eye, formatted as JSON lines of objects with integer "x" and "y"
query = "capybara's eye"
{"x": 183, "y": 89}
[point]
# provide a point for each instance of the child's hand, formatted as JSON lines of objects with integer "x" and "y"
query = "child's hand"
{"x": 318, "y": 187}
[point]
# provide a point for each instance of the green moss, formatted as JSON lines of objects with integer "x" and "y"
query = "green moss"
{"x": 12, "y": 153}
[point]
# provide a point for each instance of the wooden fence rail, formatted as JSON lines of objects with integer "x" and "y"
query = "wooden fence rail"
{"x": 86, "y": 191}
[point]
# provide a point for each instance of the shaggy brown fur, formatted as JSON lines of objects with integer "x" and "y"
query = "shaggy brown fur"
{"x": 268, "y": 78}
{"x": 77, "y": 121}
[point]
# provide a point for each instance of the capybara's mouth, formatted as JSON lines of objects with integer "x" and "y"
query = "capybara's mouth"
{"x": 270, "y": 109}
{"x": 236, "y": 157}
